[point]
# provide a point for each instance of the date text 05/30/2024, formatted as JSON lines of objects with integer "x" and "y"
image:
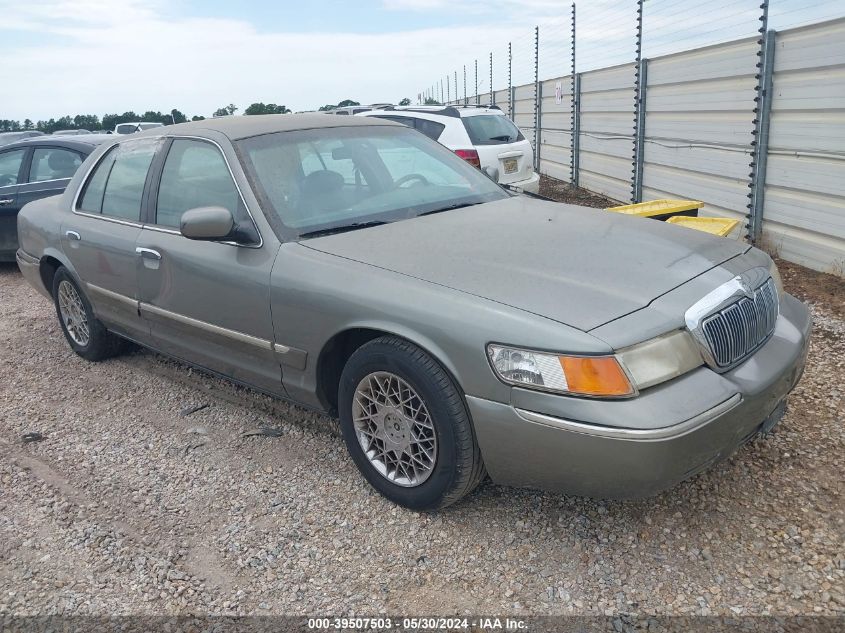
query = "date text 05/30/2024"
{"x": 416, "y": 624}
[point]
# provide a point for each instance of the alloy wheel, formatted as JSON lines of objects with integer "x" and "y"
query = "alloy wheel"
{"x": 73, "y": 313}
{"x": 394, "y": 429}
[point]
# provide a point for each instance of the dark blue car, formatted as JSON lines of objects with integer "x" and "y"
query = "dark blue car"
{"x": 36, "y": 168}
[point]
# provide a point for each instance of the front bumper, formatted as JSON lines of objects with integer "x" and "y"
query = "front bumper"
{"x": 524, "y": 445}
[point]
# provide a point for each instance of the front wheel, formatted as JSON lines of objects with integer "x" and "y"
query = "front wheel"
{"x": 406, "y": 426}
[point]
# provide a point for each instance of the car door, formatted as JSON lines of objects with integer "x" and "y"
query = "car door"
{"x": 99, "y": 236}
{"x": 11, "y": 173}
{"x": 207, "y": 302}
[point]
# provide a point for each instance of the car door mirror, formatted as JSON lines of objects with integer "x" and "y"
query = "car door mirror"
{"x": 207, "y": 223}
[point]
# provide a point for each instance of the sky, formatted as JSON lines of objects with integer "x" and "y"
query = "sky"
{"x": 109, "y": 56}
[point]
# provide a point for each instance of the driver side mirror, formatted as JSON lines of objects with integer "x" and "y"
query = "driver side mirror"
{"x": 492, "y": 173}
{"x": 207, "y": 223}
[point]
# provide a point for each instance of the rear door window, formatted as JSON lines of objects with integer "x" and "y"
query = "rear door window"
{"x": 491, "y": 129}
{"x": 10, "y": 166}
{"x": 53, "y": 163}
{"x": 125, "y": 185}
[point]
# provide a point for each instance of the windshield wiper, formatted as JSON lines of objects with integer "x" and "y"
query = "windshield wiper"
{"x": 503, "y": 137}
{"x": 451, "y": 207}
{"x": 342, "y": 229}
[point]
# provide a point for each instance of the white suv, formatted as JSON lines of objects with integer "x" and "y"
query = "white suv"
{"x": 482, "y": 135}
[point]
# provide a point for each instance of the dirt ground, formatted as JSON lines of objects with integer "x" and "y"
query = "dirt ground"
{"x": 564, "y": 192}
{"x": 135, "y": 503}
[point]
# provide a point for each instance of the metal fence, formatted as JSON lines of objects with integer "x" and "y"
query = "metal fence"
{"x": 754, "y": 126}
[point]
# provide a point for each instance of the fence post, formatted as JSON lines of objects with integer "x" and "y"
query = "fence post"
{"x": 510, "y": 81}
{"x": 465, "y": 84}
{"x": 476, "y": 82}
{"x": 637, "y": 103}
{"x": 492, "y": 94}
{"x": 765, "y": 106}
{"x": 752, "y": 229}
{"x": 576, "y": 130}
{"x": 537, "y": 97}
{"x": 572, "y": 130}
{"x": 538, "y": 126}
{"x": 640, "y": 140}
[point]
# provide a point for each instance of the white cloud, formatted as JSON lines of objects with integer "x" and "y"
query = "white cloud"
{"x": 98, "y": 56}
{"x": 119, "y": 55}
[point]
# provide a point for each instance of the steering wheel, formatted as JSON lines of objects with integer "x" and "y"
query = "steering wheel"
{"x": 410, "y": 178}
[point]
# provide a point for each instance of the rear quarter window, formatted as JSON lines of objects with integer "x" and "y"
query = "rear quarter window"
{"x": 491, "y": 129}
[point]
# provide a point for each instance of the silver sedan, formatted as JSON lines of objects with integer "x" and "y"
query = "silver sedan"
{"x": 456, "y": 329}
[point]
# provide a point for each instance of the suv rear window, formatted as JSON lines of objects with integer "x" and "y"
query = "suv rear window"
{"x": 491, "y": 129}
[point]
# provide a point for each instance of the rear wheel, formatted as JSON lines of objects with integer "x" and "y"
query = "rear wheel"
{"x": 86, "y": 335}
{"x": 406, "y": 426}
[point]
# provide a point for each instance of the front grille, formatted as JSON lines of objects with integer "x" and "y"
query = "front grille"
{"x": 736, "y": 331}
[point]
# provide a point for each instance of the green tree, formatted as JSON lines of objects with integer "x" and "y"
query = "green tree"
{"x": 8, "y": 125}
{"x": 346, "y": 103}
{"x": 430, "y": 101}
{"x": 269, "y": 108}
{"x": 405, "y": 101}
{"x": 197, "y": 117}
{"x": 86, "y": 121}
{"x": 226, "y": 110}
{"x": 327, "y": 107}
{"x": 177, "y": 117}
{"x": 28, "y": 124}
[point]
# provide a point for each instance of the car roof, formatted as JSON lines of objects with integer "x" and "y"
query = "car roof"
{"x": 244, "y": 126}
{"x": 84, "y": 142}
{"x": 454, "y": 111}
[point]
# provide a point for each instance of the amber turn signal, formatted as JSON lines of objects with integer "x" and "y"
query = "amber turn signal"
{"x": 596, "y": 376}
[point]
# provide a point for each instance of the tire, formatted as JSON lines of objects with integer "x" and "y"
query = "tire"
{"x": 100, "y": 344}
{"x": 449, "y": 460}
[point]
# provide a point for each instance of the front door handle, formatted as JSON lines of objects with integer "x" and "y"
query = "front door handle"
{"x": 148, "y": 253}
{"x": 73, "y": 235}
{"x": 6, "y": 201}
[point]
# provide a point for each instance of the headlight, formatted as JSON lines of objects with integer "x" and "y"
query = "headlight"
{"x": 661, "y": 359}
{"x": 617, "y": 376}
{"x": 596, "y": 376}
{"x": 775, "y": 273}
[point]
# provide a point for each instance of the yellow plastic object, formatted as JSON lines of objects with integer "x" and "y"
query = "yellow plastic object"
{"x": 715, "y": 226}
{"x": 654, "y": 208}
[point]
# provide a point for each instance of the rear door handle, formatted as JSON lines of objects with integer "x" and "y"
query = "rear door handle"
{"x": 73, "y": 235}
{"x": 6, "y": 201}
{"x": 148, "y": 253}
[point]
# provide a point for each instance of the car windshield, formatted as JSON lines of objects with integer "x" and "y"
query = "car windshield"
{"x": 491, "y": 129}
{"x": 341, "y": 178}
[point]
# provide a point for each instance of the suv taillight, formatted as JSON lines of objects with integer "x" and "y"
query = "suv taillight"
{"x": 470, "y": 156}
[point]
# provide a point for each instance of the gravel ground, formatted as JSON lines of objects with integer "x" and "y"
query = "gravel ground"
{"x": 131, "y": 506}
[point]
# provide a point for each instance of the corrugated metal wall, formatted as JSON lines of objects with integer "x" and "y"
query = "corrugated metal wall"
{"x": 606, "y": 138}
{"x": 698, "y": 126}
{"x": 804, "y": 209}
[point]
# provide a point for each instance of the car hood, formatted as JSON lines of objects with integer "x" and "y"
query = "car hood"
{"x": 579, "y": 266}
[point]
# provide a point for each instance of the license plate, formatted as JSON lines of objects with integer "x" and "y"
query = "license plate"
{"x": 510, "y": 165}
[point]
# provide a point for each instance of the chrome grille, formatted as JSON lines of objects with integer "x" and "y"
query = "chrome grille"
{"x": 739, "y": 329}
